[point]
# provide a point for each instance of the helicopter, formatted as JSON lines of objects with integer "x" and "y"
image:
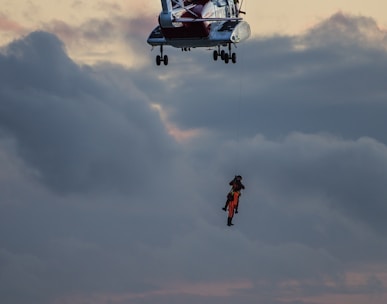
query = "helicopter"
{"x": 189, "y": 24}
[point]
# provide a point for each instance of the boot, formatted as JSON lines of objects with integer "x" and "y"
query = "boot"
{"x": 229, "y": 219}
{"x": 225, "y": 206}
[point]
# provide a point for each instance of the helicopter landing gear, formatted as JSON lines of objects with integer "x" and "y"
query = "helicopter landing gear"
{"x": 218, "y": 53}
{"x": 215, "y": 55}
{"x": 225, "y": 56}
{"x": 161, "y": 58}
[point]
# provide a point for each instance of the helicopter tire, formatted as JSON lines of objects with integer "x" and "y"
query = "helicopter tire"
{"x": 215, "y": 55}
{"x": 222, "y": 53}
{"x": 165, "y": 60}
{"x": 158, "y": 59}
{"x": 233, "y": 58}
{"x": 226, "y": 58}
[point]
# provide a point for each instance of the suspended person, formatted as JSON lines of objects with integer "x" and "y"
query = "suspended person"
{"x": 236, "y": 186}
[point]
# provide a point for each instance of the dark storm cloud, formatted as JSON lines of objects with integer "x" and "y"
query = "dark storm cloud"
{"x": 88, "y": 135}
{"x": 332, "y": 79}
{"x": 141, "y": 222}
{"x": 65, "y": 120}
{"x": 344, "y": 178}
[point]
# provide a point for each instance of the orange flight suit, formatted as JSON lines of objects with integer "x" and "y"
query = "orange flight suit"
{"x": 231, "y": 207}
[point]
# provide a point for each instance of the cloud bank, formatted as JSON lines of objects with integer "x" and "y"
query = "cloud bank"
{"x": 102, "y": 203}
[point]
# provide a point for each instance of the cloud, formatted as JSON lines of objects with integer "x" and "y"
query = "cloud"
{"x": 100, "y": 202}
{"x": 9, "y": 25}
{"x": 66, "y": 121}
{"x": 363, "y": 31}
{"x": 278, "y": 86}
{"x": 120, "y": 38}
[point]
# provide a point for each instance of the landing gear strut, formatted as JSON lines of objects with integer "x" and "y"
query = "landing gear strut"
{"x": 161, "y": 58}
{"x": 226, "y": 57}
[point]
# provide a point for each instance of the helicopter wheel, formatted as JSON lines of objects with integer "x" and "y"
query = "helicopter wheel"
{"x": 233, "y": 58}
{"x": 222, "y": 53}
{"x": 226, "y": 58}
{"x": 215, "y": 55}
{"x": 161, "y": 58}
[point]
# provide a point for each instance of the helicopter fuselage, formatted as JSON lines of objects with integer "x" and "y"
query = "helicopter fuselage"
{"x": 199, "y": 23}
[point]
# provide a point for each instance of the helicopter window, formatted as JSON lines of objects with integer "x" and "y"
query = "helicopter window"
{"x": 220, "y": 2}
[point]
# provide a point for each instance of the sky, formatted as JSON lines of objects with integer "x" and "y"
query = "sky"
{"x": 113, "y": 171}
